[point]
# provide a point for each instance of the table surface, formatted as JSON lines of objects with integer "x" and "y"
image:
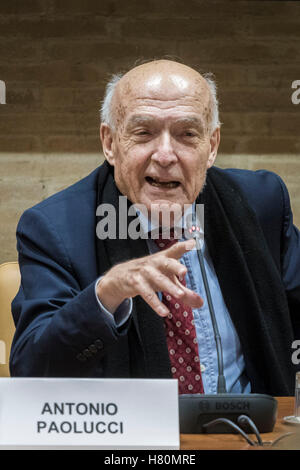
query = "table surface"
{"x": 237, "y": 442}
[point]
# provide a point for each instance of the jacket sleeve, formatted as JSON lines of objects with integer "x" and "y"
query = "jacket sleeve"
{"x": 290, "y": 260}
{"x": 60, "y": 329}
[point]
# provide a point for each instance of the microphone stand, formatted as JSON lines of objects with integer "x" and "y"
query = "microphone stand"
{"x": 221, "y": 386}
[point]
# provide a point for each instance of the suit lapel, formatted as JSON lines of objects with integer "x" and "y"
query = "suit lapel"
{"x": 148, "y": 326}
{"x": 250, "y": 283}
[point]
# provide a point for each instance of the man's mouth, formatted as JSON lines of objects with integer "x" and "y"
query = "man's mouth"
{"x": 156, "y": 182}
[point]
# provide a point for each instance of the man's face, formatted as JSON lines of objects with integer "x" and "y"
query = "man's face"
{"x": 162, "y": 145}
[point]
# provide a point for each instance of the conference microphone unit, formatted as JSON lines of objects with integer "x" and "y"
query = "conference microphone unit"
{"x": 223, "y": 413}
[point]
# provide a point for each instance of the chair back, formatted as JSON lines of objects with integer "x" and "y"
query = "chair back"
{"x": 9, "y": 285}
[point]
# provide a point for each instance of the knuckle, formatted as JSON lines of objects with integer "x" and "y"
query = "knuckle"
{"x": 149, "y": 296}
{"x": 130, "y": 278}
{"x": 167, "y": 263}
{"x": 144, "y": 269}
{"x": 157, "y": 259}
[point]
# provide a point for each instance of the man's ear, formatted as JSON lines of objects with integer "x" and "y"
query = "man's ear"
{"x": 106, "y": 137}
{"x": 214, "y": 145}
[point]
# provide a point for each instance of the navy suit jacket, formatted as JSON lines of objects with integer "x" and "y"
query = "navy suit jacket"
{"x": 59, "y": 328}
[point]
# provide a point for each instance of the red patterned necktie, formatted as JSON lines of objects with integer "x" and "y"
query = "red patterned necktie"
{"x": 181, "y": 338}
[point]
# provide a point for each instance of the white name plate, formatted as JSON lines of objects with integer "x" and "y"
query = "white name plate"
{"x": 89, "y": 413}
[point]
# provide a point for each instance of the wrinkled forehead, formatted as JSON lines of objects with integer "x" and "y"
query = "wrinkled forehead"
{"x": 176, "y": 86}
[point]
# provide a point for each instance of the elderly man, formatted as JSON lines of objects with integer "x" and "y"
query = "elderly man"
{"x": 118, "y": 307}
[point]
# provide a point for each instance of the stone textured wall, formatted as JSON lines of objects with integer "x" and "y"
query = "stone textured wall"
{"x": 56, "y": 55}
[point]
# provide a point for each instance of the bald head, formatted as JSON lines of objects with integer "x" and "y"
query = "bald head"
{"x": 161, "y": 80}
{"x": 158, "y": 133}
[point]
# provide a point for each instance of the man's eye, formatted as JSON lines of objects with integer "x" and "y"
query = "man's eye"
{"x": 144, "y": 132}
{"x": 189, "y": 134}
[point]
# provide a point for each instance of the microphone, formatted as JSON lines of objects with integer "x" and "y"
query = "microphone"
{"x": 194, "y": 230}
{"x": 202, "y": 413}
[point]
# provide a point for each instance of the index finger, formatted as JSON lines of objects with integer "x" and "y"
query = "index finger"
{"x": 178, "y": 250}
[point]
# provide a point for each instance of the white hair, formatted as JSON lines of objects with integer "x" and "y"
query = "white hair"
{"x": 106, "y": 112}
{"x": 215, "y": 121}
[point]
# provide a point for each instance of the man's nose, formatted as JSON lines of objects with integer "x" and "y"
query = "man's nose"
{"x": 164, "y": 153}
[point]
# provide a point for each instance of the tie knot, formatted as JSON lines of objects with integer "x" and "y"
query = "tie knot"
{"x": 163, "y": 243}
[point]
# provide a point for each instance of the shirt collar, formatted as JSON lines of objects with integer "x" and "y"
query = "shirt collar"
{"x": 147, "y": 227}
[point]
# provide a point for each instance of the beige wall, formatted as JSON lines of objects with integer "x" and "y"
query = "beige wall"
{"x": 56, "y": 55}
{"x": 27, "y": 179}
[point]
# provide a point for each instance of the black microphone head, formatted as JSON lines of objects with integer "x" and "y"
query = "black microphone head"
{"x": 193, "y": 230}
{"x": 195, "y": 224}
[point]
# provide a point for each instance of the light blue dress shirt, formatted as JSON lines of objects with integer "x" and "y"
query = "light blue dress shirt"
{"x": 234, "y": 364}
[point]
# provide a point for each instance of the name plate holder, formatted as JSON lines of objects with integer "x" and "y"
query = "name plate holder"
{"x": 64, "y": 413}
